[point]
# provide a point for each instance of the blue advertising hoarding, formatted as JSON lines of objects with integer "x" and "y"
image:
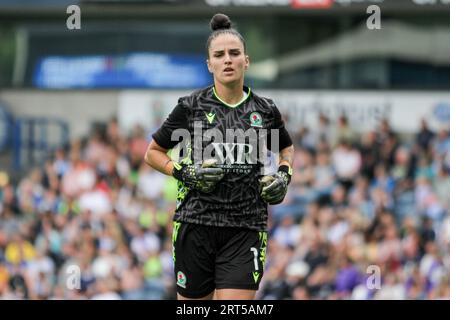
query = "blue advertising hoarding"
{"x": 137, "y": 70}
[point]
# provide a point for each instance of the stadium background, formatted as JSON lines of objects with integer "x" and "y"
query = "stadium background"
{"x": 369, "y": 111}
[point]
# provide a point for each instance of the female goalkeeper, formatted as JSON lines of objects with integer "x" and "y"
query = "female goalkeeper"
{"x": 220, "y": 223}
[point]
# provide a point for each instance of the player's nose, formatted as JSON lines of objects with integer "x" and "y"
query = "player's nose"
{"x": 227, "y": 58}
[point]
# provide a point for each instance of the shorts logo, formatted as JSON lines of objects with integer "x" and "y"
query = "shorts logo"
{"x": 255, "y": 119}
{"x": 181, "y": 279}
{"x": 256, "y": 276}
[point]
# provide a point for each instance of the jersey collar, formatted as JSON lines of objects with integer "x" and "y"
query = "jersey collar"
{"x": 247, "y": 90}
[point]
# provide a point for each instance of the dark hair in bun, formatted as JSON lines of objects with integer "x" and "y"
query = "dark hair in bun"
{"x": 221, "y": 24}
{"x": 220, "y": 21}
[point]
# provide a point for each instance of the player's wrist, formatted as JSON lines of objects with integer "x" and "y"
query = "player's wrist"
{"x": 168, "y": 167}
{"x": 284, "y": 162}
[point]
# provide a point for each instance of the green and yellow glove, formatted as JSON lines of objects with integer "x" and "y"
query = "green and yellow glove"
{"x": 274, "y": 187}
{"x": 202, "y": 177}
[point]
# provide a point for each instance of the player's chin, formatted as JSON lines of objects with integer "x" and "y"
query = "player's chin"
{"x": 229, "y": 80}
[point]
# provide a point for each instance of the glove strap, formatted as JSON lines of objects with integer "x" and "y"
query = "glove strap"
{"x": 177, "y": 171}
{"x": 286, "y": 169}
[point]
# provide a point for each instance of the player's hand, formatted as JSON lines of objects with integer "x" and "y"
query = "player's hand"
{"x": 202, "y": 177}
{"x": 274, "y": 187}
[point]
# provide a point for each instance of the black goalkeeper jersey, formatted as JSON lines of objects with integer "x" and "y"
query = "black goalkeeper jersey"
{"x": 236, "y": 200}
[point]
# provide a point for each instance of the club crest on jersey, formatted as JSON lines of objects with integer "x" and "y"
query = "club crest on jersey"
{"x": 255, "y": 119}
{"x": 181, "y": 279}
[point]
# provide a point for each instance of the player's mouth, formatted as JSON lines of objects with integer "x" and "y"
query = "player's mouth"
{"x": 228, "y": 70}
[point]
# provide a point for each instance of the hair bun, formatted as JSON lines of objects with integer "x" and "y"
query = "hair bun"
{"x": 220, "y": 21}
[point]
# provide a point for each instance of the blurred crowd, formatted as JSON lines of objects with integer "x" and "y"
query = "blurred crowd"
{"x": 94, "y": 222}
{"x": 366, "y": 217}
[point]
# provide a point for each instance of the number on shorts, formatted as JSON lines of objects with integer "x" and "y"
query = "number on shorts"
{"x": 255, "y": 253}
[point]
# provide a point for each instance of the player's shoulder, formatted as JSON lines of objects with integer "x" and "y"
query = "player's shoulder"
{"x": 263, "y": 101}
{"x": 189, "y": 101}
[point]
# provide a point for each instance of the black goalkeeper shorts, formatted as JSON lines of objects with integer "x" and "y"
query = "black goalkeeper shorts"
{"x": 208, "y": 258}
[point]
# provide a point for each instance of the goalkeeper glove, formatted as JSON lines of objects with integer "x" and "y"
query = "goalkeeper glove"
{"x": 202, "y": 177}
{"x": 274, "y": 187}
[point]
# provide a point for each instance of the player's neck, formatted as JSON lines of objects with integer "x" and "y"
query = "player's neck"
{"x": 230, "y": 94}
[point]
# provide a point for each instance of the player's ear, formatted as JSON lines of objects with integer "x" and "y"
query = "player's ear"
{"x": 247, "y": 62}
{"x": 209, "y": 65}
